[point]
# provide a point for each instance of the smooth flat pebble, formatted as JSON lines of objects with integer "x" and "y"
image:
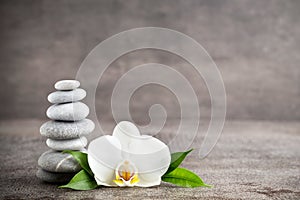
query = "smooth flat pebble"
{"x": 67, "y": 96}
{"x": 68, "y": 111}
{"x": 67, "y": 130}
{"x": 52, "y": 177}
{"x": 72, "y": 144}
{"x": 67, "y": 85}
{"x": 55, "y": 161}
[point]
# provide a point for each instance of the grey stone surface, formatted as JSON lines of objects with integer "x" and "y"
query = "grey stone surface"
{"x": 252, "y": 160}
{"x": 52, "y": 177}
{"x": 67, "y": 130}
{"x": 68, "y": 111}
{"x": 67, "y": 96}
{"x": 72, "y": 144}
{"x": 55, "y": 161}
{"x": 67, "y": 85}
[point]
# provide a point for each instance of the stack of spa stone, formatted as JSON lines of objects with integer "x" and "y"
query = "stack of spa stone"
{"x": 65, "y": 131}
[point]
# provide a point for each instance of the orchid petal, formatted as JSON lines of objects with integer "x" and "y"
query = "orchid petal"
{"x": 147, "y": 183}
{"x": 151, "y": 157}
{"x": 104, "y": 154}
{"x": 125, "y": 131}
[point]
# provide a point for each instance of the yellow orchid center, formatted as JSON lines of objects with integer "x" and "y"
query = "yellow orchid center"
{"x": 126, "y": 174}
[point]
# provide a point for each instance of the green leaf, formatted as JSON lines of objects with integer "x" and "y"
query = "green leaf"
{"x": 176, "y": 159}
{"x": 81, "y": 181}
{"x": 185, "y": 178}
{"x": 81, "y": 159}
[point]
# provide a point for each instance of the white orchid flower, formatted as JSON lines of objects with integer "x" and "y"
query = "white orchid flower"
{"x": 127, "y": 158}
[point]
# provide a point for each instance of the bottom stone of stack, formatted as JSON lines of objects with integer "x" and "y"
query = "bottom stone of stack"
{"x": 52, "y": 177}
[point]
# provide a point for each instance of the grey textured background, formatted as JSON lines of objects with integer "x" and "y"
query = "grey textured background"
{"x": 255, "y": 44}
{"x": 253, "y": 160}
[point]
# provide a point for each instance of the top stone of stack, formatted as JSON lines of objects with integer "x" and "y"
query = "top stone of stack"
{"x": 67, "y": 85}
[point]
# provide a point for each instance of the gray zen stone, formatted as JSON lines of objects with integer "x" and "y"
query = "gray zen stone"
{"x": 72, "y": 144}
{"x": 68, "y": 111}
{"x": 55, "y": 161}
{"x": 66, "y": 130}
{"x": 67, "y": 96}
{"x": 52, "y": 177}
{"x": 67, "y": 85}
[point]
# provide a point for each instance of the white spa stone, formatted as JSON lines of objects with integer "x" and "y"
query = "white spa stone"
{"x": 72, "y": 144}
{"x": 53, "y": 177}
{"x": 67, "y": 85}
{"x": 67, "y": 96}
{"x": 55, "y": 161}
{"x": 67, "y": 130}
{"x": 68, "y": 111}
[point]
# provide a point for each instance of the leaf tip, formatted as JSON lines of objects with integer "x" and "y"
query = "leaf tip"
{"x": 190, "y": 150}
{"x": 208, "y": 186}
